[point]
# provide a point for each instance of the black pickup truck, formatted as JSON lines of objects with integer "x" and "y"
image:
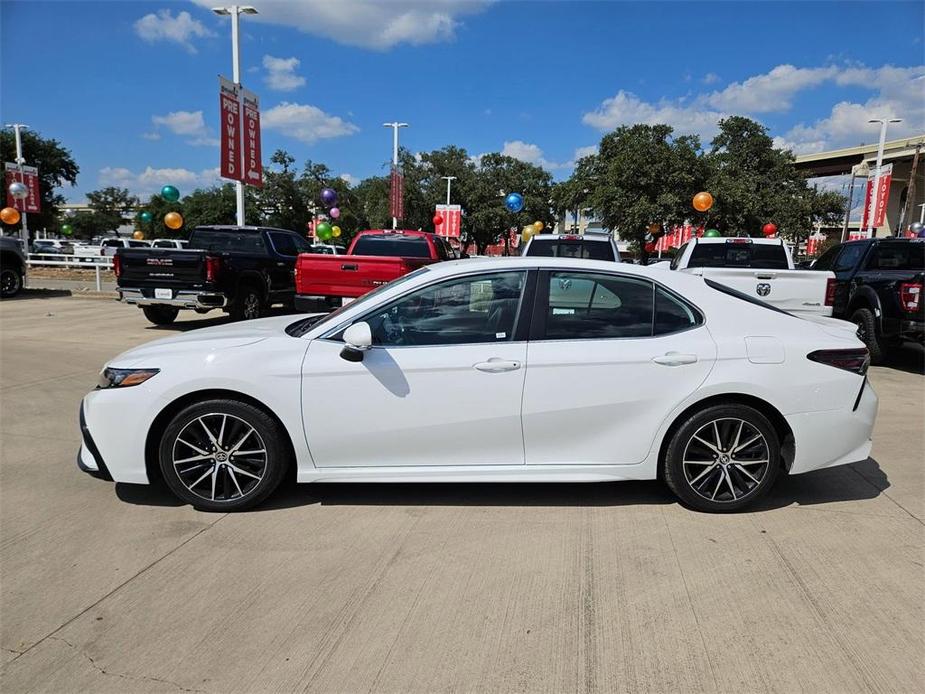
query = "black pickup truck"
{"x": 879, "y": 285}
{"x": 241, "y": 270}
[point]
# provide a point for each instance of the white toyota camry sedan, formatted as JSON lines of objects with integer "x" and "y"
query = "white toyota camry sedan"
{"x": 492, "y": 370}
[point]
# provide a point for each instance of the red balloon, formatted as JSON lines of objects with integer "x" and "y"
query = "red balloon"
{"x": 438, "y": 220}
{"x": 650, "y": 248}
{"x": 769, "y": 229}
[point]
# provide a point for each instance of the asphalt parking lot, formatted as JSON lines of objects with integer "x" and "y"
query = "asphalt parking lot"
{"x": 421, "y": 588}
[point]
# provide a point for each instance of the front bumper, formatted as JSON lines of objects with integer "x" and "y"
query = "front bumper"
{"x": 89, "y": 459}
{"x": 181, "y": 298}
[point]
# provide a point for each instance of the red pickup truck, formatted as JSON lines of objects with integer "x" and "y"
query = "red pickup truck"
{"x": 374, "y": 258}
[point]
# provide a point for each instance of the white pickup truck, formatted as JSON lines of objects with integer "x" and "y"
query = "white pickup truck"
{"x": 759, "y": 268}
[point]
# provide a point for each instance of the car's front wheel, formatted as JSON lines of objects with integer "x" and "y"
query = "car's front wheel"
{"x": 223, "y": 455}
{"x": 10, "y": 282}
{"x": 722, "y": 458}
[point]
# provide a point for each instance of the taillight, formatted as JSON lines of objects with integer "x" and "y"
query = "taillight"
{"x": 116, "y": 265}
{"x": 910, "y": 296}
{"x": 854, "y": 360}
{"x": 830, "y": 291}
{"x": 213, "y": 265}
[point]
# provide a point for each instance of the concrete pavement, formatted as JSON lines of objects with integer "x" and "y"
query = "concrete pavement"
{"x": 417, "y": 588}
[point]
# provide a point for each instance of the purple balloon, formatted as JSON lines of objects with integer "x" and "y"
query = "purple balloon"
{"x": 328, "y": 196}
{"x": 334, "y": 212}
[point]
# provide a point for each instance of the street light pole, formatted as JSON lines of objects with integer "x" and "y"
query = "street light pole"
{"x": 20, "y": 160}
{"x": 876, "y": 191}
{"x": 235, "y": 11}
{"x": 449, "y": 181}
{"x": 395, "y": 126}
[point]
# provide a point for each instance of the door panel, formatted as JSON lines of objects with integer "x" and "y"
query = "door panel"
{"x": 414, "y": 405}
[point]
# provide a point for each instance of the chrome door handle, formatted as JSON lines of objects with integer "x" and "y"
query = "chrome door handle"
{"x": 675, "y": 359}
{"x": 495, "y": 365}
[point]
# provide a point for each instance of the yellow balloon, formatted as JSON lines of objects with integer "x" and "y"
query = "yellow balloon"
{"x": 138, "y": 235}
{"x": 9, "y": 215}
{"x": 528, "y": 233}
{"x": 539, "y": 226}
{"x": 335, "y": 231}
{"x": 173, "y": 220}
{"x": 703, "y": 201}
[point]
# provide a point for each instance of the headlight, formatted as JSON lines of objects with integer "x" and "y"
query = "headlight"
{"x": 123, "y": 378}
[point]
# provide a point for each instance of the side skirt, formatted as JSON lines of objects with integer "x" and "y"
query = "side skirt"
{"x": 482, "y": 473}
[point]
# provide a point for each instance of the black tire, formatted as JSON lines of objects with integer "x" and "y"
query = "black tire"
{"x": 236, "y": 485}
{"x": 160, "y": 315}
{"x": 867, "y": 332}
{"x": 10, "y": 282}
{"x": 721, "y": 478}
{"x": 249, "y": 304}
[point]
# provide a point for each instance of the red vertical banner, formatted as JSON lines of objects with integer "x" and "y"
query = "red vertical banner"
{"x": 397, "y": 194}
{"x": 230, "y": 113}
{"x": 253, "y": 166}
{"x": 28, "y": 175}
{"x": 883, "y": 194}
{"x": 452, "y": 221}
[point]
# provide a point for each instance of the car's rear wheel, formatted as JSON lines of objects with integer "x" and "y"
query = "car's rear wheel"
{"x": 223, "y": 455}
{"x": 10, "y": 282}
{"x": 160, "y": 315}
{"x": 722, "y": 458}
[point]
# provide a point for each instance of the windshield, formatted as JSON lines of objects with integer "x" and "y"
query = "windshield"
{"x": 299, "y": 328}
{"x": 759, "y": 256}
{"x": 593, "y": 250}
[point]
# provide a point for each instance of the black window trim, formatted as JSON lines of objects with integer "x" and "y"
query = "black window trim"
{"x": 541, "y": 302}
{"x": 521, "y": 320}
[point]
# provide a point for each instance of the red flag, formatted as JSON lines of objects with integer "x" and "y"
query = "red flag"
{"x": 253, "y": 166}
{"x": 230, "y": 114}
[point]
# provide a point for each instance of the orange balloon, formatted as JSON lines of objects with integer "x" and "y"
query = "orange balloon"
{"x": 173, "y": 220}
{"x": 703, "y": 201}
{"x": 9, "y": 215}
{"x": 138, "y": 235}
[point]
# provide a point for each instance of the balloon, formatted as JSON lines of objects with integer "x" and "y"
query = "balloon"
{"x": 18, "y": 190}
{"x": 438, "y": 220}
{"x": 334, "y": 212}
{"x": 528, "y": 233}
{"x": 170, "y": 193}
{"x": 514, "y": 202}
{"x": 539, "y": 226}
{"x": 703, "y": 201}
{"x": 769, "y": 229}
{"x": 916, "y": 228}
{"x": 711, "y": 234}
{"x": 650, "y": 248}
{"x": 66, "y": 229}
{"x": 146, "y": 217}
{"x": 329, "y": 196}
{"x": 323, "y": 231}
{"x": 173, "y": 220}
{"x": 138, "y": 235}
{"x": 335, "y": 231}
{"x": 9, "y": 215}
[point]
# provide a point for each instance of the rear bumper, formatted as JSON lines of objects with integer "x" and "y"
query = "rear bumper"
{"x": 182, "y": 298}
{"x": 834, "y": 437}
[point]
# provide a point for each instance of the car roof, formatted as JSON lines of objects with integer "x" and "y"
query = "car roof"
{"x": 526, "y": 262}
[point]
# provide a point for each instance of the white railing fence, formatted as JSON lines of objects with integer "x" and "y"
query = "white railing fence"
{"x": 83, "y": 262}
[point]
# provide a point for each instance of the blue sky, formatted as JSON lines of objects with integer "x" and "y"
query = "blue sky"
{"x": 131, "y": 87}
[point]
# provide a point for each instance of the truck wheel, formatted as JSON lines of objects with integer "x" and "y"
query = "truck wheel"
{"x": 867, "y": 333}
{"x": 248, "y": 305}
{"x": 10, "y": 282}
{"x": 160, "y": 315}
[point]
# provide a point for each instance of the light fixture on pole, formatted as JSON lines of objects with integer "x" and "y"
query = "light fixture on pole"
{"x": 395, "y": 126}
{"x": 871, "y": 213}
{"x": 449, "y": 181}
{"x": 20, "y": 161}
{"x": 234, "y": 11}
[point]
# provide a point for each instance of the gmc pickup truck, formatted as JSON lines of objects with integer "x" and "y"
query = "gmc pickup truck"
{"x": 761, "y": 268}
{"x": 374, "y": 258}
{"x": 879, "y": 286}
{"x": 241, "y": 270}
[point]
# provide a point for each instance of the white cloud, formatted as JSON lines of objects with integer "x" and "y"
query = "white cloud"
{"x": 582, "y": 152}
{"x": 529, "y": 153}
{"x": 153, "y": 135}
{"x": 189, "y": 124}
{"x": 305, "y": 123}
{"x": 151, "y": 180}
{"x": 896, "y": 92}
{"x": 710, "y": 78}
{"x": 163, "y": 26}
{"x": 281, "y": 75}
{"x": 350, "y": 179}
{"x": 370, "y": 23}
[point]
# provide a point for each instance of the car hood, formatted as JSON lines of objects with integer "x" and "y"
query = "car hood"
{"x": 205, "y": 340}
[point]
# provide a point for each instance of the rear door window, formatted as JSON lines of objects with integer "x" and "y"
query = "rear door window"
{"x": 849, "y": 257}
{"x": 284, "y": 243}
{"x": 584, "y": 306}
{"x": 394, "y": 245}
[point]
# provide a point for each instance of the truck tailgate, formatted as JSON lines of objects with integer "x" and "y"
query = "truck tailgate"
{"x": 349, "y": 275}
{"x": 796, "y": 291}
{"x": 161, "y": 267}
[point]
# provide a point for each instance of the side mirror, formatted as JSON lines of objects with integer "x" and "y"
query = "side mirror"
{"x": 357, "y": 339}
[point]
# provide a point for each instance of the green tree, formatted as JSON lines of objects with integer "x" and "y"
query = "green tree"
{"x": 56, "y": 167}
{"x": 110, "y": 207}
{"x": 216, "y": 205}
{"x": 281, "y": 201}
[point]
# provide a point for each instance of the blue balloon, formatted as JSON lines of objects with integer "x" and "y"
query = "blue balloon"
{"x": 514, "y": 202}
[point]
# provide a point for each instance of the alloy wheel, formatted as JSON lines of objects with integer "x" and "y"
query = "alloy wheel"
{"x": 726, "y": 460}
{"x": 251, "y": 306}
{"x": 219, "y": 457}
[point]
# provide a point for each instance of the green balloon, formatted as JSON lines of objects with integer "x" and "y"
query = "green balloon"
{"x": 146, "y": 216}
{"x": 170, "y": 193}
{"x": 324, "y": 231}
{"x": 66, "y": 229}
{"x": 711, "y": 233}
